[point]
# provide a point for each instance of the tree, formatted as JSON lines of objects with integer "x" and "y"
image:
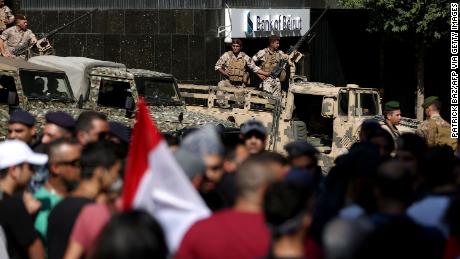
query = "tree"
{"x": 425, "y": 21}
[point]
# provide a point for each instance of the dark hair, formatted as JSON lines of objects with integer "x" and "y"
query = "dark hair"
{"x": 284, "y": 203}
{"x": 273, "y": 38}
{"x": 131, "y": 234}
{"x": 437, "y": 105}
{"x": 85, "y": 120}
{"x": 394, "y": 182}
{"x": 412, "y": 143}
{"x": 237, "y": 41}
{"x": 271, "y": 156}
{"x": 98, "y": 154}
{"x": 438, "y": 167}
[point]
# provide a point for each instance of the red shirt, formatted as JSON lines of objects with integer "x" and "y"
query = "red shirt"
{"x": 227, "y": 234}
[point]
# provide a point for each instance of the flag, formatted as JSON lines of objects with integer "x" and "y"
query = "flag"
{"x": 156, "y": 183}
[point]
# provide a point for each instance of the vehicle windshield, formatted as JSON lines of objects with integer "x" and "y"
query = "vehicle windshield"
{"x": 46, "y": 85}
{"x": 368, "y": 104}
{"x": 158, "y": 91}
{"x": 114, "y": 93}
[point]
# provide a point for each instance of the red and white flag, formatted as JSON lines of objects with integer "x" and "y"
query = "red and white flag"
{"x": 156, "y": 183}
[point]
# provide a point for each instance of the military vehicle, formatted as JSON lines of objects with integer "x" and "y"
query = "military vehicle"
{"x": 110, "y": 88}
{"x": 167, "y": 106}
{"x": 102, "y": 86}
{"x": 328, "y": 117}
{"x": 33, "y": 88}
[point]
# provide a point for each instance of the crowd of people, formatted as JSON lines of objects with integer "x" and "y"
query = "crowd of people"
{"x": 60, "y": 187}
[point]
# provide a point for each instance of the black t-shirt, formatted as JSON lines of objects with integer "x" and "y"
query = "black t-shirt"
{"x": 60, "y": 224}
{"x": 17, "y": 224}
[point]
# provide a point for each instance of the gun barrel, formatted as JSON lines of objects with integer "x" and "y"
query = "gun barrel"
{"x": 51, "y": 33}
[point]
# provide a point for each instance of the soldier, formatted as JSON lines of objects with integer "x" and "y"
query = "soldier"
{"x": 435, "y": 129}
{"x": 15, "y": 37}
{"x": 392, "y": 115}
{"x": 270, "y": 57}
{"x": 232, "y": 65}
{"x": 22, "y": 126}
{"x": 6, "y": 16}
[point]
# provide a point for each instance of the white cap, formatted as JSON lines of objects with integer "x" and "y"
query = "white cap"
{"x": 15, "y": 152}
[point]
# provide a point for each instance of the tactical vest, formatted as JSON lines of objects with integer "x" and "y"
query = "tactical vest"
{"x": 3, "y": 18}
{"x": 236, "y": 69}
{"x": 270, "y": 61}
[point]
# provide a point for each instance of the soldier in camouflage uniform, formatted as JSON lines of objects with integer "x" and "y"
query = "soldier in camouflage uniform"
{"x": 270, "y": 57}
{"x": 435, "y": 129}
{"x": 392, "y": 115}
{"x": 232, "y": 65}
{"x": 6, "y": 16}
{"x": 16, "y": 36}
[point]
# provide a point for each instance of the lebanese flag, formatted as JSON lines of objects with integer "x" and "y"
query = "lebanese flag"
{"x": 156, "y": 183}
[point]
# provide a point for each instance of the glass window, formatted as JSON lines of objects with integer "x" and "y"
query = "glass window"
{"x": 343, "y": 103}
{"x": 6, "y": 85}
{"x": 45, "y": 85}
{"x": 158, "y": 92}
{"x": 368, "y": 104}
{"x": 113, "y": 93}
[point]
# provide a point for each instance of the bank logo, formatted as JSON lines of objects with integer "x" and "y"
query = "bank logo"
{"x": 250, "y": 27}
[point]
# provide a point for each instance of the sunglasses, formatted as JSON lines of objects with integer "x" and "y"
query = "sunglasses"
{"x": 256, "y": 134}
{"x": 215, "y": 168}
{"x": 74, "y": 163}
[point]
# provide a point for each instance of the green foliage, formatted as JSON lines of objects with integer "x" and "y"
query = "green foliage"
{"x": 428, "y": 19}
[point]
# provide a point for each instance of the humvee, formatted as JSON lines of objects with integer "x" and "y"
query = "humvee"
{"x": 166, "y": 104}
{"x": 111, "y": 88}
{"x": 102, "y": 86}
{"x": 34, "y": 88}
{"x": 326, "y": 116}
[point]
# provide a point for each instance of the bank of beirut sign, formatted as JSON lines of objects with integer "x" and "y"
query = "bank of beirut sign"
{"x": 247, "y": 23}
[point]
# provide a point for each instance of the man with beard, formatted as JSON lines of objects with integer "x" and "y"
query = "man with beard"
{"x": 64, "y": 174}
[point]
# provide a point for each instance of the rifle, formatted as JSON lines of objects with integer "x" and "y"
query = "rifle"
{"x": 43, "y": 44}
{"x": 281, "y": 66}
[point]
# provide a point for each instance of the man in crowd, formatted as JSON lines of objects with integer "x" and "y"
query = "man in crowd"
{"x": 16, "y": 37}
{"x": 90, "y": 125}
{"x": 16, "y": 159}
{"x": 64, "y": 174}
{"x": 254, "y": 135}
{"x": 232, "y": 65}
{"x": 239, "y": 232}
{"x": 22, "y": 126}
{"x": 6, "y": 16}
{"x": 270, "y": 57}
{"x": 435, "y": 129}
{"x": 392, "y": 116}
{"x": 58, "y": 125}
{"x": 99, "y": 170}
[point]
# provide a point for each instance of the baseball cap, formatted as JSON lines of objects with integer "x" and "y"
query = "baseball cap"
{"x": 22, "y": 117}
{"x": 61, "y": 119}
{"x": 15, "y": 152}
{"x": 253, "y": 125}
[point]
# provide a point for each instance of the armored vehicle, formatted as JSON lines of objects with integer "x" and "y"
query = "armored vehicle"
{"x": 110, "y": 88}
{"x": 102, "y": 86}
{"x": 167, "y": 106}
{"x": 328, "y": 117}
{"x": 34, "y": 88}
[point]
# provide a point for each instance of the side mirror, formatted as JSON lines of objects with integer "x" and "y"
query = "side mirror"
{"x": 327, "y": 108}
{"x": 129, "y": 106}
{"x": 80, "y": 102}
{"x": 13, "y": 101}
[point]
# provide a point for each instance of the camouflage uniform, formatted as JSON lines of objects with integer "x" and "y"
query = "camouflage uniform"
{"x": 15, "y": 37}
{"x": 269, "y": 60}
{"x": 236, "y": 67}
{"x": 5, "y": 15}
{"x": 436, "y": 131}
